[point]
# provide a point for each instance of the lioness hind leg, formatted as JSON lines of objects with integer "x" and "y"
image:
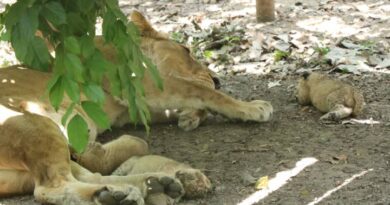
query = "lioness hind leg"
{"x": 36, "y": 144}
{"x": 182, "y": 93}
{"x": 15, "y": 182}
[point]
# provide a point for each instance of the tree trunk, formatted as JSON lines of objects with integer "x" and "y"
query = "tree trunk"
{"x": 265, "y": 10}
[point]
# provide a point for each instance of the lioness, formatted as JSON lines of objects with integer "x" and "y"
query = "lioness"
{"x": 333, "y": 97}
{"x": 34, "y": 154}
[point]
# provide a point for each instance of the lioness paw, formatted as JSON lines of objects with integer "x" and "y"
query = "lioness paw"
{"x": 118, "y": 196}
{"x": 257, "y": 110}
{"x": 188, "y": 122}
{"x": 168, "y": 185}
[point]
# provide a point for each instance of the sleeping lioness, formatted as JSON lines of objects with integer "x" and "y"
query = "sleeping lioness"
{"x": 333, "y": 97}
{"x": 34, "y": 154}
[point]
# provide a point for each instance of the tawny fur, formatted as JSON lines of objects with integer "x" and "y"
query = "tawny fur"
{"x": 333, "y": 97}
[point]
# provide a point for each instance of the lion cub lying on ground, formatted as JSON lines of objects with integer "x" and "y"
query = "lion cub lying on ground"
{"x": 194, "y": 182}
{"x": 333, "y": 97}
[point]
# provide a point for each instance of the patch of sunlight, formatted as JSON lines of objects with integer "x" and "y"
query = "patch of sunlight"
{"x": 12, "y": 81}
{"x": 242, "y": 12}
{"x": 278, "y": 181}
{"x": 7, "y": 113}
{"x": 33, "y": 107}
{"x": 334, "y": 26}
{"x": 346, "y": 182}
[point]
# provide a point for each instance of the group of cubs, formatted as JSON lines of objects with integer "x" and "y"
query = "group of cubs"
{"x": 34, "y": 154}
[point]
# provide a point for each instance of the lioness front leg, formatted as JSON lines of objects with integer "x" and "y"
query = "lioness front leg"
{"x": 182, "y": 93}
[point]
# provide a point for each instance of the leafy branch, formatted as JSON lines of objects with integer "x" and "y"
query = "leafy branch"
{"x": 78, "y": 67}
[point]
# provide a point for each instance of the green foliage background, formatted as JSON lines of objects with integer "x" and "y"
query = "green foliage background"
{"x": 78, "y": 67}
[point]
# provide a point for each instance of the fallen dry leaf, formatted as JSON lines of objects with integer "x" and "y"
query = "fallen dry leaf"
{"x": 274, "y": 84}
{"x": 261, "y": 183}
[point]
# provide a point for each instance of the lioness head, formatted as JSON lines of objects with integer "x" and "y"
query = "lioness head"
{"x": 169, "y": 56}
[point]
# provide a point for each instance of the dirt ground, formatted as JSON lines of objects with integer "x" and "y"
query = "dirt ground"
{"x": 235, "y": 154}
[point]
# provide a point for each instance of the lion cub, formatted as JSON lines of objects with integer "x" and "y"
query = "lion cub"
{"x": 194, "y": 182}
{"x": 333, "y": 97}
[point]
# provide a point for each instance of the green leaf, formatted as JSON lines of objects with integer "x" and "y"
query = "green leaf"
{"x": 143, "y": 112}
{"x": 154, "y": 73}
{"x": 37, "y": 55}
{"x": 14, "y": 13}
{"x": 72, "y": 45}
{"x": 76, "y": 24}
{"x": 137, "y": 83}
{"x": 28, "y": 22}
{"x": 96, "y": 66}
{"x": 131, "y": 99}
{"x": 59, "y": 61}
{"x": 94, "y": 93}
{"x": 108, "y": 26}
{"x": 68, "y": 112}
{"x": 5, "y": 34}
{"x": 78, "y": 133}
{"x": 113, "y": 76}
{"x": 53, "y": 80}
{"x": 75, "y": 66}
{"x": 24, "y": 32}
{"x": 96, "y": 113}
{"x": 136, "y": 66}
{"x": 72, "y": 89}
{"x": 56, "y": 93}
{"x": 54, "y": 13}
{"x": 87, "y": 46}
{"x": 85, "y": 5}
{"x": 113, "y": 5}
{"x": 134, "y": 33}
{"x": 19, "y": 43}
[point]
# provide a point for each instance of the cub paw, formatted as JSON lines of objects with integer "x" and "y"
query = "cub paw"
{"x": 329, "y": 117}
{"x": 170, "y": 186}
{"x": 257, "y": 110}
{"x": 119, "y": 196}
{"x": 195, "y": 183}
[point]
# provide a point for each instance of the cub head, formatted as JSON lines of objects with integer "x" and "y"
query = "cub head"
{"x": 170, "y": 56}
{"x": 305, "y": 84}
{"x": 303, "y": 90}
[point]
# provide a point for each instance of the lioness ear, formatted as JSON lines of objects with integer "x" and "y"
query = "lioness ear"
{"x": 144, "y": 26}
